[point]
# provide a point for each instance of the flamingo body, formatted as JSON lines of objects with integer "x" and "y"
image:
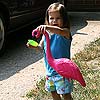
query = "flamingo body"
{"x": 64, "y": 66}
{"x": 68, "y": 69}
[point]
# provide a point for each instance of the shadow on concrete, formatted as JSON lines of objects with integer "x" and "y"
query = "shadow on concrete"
{"x": 17, "y": 55}
{"x": 78, "y": 20}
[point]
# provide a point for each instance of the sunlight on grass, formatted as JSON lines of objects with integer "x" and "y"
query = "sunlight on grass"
{"x": 89, "y": 62}
{"x": 86, "y": 61}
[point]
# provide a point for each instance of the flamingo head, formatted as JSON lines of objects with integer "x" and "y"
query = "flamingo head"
{"x": 36, "y": 33}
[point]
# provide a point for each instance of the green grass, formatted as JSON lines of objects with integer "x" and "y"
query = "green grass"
{"x": 39, "y": 92}
{"x": 89, "y": 62}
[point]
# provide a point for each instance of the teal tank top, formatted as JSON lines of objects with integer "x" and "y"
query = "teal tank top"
{"x": 60, "y": 48}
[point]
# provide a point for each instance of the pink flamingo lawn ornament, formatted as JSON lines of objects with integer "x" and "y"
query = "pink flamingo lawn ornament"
{"x": 63, "y": 66}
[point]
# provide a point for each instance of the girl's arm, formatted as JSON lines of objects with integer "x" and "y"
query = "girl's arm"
{"x": 41, "y": 42}
{"x": 55, "y": 29}
{"x": 62, "y": 31}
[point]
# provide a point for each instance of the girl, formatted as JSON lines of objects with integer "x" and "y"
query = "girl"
{"x": 57, "y": 25}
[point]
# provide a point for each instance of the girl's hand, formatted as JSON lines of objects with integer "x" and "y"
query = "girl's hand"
{"x": 41, "y": 28}
{"x": 36, "y": 48}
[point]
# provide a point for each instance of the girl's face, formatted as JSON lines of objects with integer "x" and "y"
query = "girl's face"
{"x": 55, "y": 19}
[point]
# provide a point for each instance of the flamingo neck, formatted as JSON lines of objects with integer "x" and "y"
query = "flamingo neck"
{"x": 48, "y": 50}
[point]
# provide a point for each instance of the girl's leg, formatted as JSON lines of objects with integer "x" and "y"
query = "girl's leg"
{"x": 55, "y": 95}
{"x": 67, "y": 96}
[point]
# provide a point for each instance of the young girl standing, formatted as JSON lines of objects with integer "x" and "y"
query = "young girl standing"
{"x": 57, "y": 25}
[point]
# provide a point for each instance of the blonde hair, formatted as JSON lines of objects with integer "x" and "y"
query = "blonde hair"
{"x": 63, "y": 13}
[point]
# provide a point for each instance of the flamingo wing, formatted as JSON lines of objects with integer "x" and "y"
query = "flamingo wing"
{"x": 69, "y": 69}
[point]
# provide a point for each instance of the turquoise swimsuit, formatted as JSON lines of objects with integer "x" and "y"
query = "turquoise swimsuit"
{"x": 60, "y": 48}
